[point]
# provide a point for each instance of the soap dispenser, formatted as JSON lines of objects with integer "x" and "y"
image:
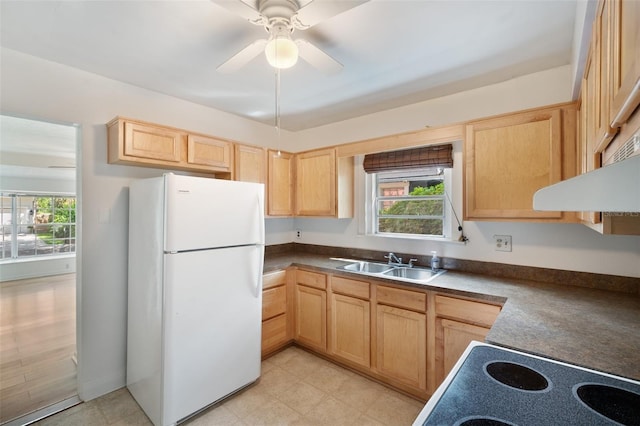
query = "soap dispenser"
{"x": 435, "y": 261}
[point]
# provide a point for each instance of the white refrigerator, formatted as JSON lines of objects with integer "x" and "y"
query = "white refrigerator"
{"x": 196, "y": 250}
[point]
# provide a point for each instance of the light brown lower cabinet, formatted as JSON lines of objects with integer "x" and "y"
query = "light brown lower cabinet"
{"x": 311, "y": 310}
{"x": 409, "y": 339}
{"x": 402, "y": 345}
{"x": 458, "y": 322}
{"x": 350, "y": 321}
{"x": 452, "y": 338}
{"x": 275, "y": 317}
{"x": 401, "y": 336}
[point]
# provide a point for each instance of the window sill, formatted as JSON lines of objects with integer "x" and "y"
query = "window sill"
{"x": 418, "y": 238}
{"x": 37, "y": 258}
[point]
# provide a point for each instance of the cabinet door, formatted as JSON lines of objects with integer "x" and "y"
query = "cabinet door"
{"x": 274, "y": 333}
{"x": 452, "y": 338}
{"x": 402, "y": 345}
{"x": 150, "y": 142}
{"x": 350, "y": 329}
{"x": 600, "y": 72}
{"x": 587, "y": 159}
{"x": 311, "y": 317}
{"x": 274, "y": 302}
{"x": 507, "y": 160}
{"x": 280, "y": 184}
{"x": 316, "y": 183}
{"x": 625, "y": 60}
{"x": 250, "y": 164}
{"x": 206, "y": 151}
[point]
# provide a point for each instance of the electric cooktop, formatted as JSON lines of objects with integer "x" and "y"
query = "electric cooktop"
{"x": 492, "y": 386}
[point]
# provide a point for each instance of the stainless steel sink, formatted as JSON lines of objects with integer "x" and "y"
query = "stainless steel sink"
{"x": 384, "y": 270}
{"x": 367, "y": 267}
{"x": 417, "y": 274}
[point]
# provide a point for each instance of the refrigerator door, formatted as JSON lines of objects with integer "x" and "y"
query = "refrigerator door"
{"x": 212, "y": 323}
{"x": 208, "y": 213}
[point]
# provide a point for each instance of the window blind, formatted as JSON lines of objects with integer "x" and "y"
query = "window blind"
{"x": 439, "y": 156}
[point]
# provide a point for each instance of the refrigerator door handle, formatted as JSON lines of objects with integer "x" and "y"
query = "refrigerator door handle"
{"x": 260, "y": 213}
{"x": 259, "y": 271}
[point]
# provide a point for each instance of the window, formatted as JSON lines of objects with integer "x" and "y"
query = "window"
{"x": 37, "y": 225}
{"x": 409, "y": 202}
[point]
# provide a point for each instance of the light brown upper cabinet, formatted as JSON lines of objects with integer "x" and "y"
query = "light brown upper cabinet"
{"x": 250, "y": 164}
{"x": 625, "y": 58}
{"x": 144, "y": 144}
{"x": 280, "y": 183}
{"x": 151, "y": 142}
{"x": 208, "y": 151}
{"x": 598, "y": 79}
{"x": 324, "y": 184}
{"x": 509, "y": 157}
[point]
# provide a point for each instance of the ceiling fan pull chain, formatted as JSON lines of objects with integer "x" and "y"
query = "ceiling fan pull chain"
{"x": 278, "y": 101}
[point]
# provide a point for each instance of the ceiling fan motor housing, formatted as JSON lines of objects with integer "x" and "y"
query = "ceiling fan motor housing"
{"x": 278, "y": 8}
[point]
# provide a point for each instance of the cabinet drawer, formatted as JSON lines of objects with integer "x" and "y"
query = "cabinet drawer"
{"x": 402, "y": 298}
{"x": 274, "y": 279}
{"x": 274, "y": 302}
{"x": 467, "y": 310}
{"x": 274, "y": 333}
{"x": 311, "y": 279}
{"x": 348, "y": 287}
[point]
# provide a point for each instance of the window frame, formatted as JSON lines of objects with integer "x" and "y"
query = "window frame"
{"x": 371, "y": 205}
{"x": 17, "y": 225}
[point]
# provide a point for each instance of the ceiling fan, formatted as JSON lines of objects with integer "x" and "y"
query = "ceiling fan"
{"x": 280, "y": 18}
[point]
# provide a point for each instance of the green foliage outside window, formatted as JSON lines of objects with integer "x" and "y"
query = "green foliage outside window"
{"x": 394, "y": 216}
{"x": 55, "y": 219}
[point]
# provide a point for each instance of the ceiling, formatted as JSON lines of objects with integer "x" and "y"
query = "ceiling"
{"x": 394, "y": 52}
{"x": 37, "y": 149}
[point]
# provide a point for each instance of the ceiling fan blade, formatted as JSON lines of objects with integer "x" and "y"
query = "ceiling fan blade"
{"x": 317, "y": 57}
{"x": 320, "y": 10}
{"x": 242, "y": 9}
{"x": 243, "y": 57}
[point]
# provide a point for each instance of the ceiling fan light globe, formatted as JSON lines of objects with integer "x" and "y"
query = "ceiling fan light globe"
{"x": 281, "y": 52}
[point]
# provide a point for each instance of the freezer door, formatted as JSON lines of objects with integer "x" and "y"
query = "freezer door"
{"x": 207, "y": 213}
{"x": 213, "y": 308}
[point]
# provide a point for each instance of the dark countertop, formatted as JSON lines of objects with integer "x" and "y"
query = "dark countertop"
{"x": 592, "y": 328}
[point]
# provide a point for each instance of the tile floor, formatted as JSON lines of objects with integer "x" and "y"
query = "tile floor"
{"x": 296, "y": 388}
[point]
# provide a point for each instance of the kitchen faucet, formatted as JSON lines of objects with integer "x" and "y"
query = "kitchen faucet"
{"x": 397, "y": 261}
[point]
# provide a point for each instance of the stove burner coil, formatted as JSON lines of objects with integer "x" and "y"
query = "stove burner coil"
{"x": 516, "y": 376}
{"x": 617, "y": 404}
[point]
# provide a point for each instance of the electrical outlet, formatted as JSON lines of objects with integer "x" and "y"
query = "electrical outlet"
{"x": 502, "y": 242}
{"x": 298, "y": 234}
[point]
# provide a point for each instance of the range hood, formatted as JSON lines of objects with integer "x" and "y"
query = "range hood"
{"x": 612, "y": 188}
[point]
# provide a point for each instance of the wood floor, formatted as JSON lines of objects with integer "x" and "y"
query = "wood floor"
{"x": 37, "y": 343}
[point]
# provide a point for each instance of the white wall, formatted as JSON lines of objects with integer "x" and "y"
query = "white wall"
{"x": 38, "y": 185}
{"x": 559, "y": 246}
{"x": 39, "y": 89}
{"x": 530, "y": 91}
{"x": 42, "y": 267}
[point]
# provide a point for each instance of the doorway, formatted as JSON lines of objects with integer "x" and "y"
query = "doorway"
{"x": 38, "y": 286}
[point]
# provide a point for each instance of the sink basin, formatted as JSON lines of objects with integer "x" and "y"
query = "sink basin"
{"x": 385, "y": 270}
{"x": 367, "y": 267}
{"x": 417, "y": 274}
